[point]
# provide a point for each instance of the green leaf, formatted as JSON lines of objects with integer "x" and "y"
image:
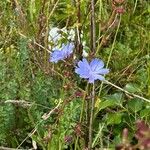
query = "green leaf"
{"x": 135, "y": 105}
{"x": 114, "y": 118}
{"x": 117, "y": 97}
{"x": 148, "y": 9}
{"x": 106, "y": 103}
{"x": 111, "y": 101}
{"x": 145, "y": 113}
{"x": 130, "y": 87}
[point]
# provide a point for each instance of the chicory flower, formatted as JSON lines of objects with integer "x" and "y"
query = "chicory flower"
{"x": 91, "y": 71}
{"x": 61, "y": 54}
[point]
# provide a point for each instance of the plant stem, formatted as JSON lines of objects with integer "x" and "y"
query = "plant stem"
{"x": 93, "y": 49}
{"x": 134, "y": 95}
{"x": 93, "y": 34}
{"x": 110, "y": 54}
{"x": 91, "y": 118}
{"x": 83, "y": 104}
{"x": 78, "y": 30}
{"x": 135, "y": 6}
{"x": 82, "y": 111}
{"x": 98, "y": 136}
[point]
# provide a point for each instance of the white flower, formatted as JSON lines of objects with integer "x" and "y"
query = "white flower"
{"x": 54, "y": 35}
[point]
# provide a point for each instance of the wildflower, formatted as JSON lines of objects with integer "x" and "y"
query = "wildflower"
{"x": 54, "y": 35}
{"x": 91, "y": 71}
{"x": 61, "y": 54}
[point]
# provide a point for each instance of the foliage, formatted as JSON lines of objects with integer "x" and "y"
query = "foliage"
{"x": 45, "y": 105}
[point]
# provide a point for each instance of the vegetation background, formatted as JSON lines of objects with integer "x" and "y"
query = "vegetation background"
{"x": 31, "y": 86}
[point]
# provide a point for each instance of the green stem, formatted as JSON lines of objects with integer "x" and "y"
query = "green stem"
{"x": 91, "y": 119}
{"x": 110, "y": 54}
{"x": 135, "y": 6}
{"x": 82, "y": 111}
{"x": 83, "y": 103}
{"x": 99, "y": 136}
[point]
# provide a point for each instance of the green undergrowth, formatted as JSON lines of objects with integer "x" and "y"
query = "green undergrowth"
{"x": 32, "y": 87}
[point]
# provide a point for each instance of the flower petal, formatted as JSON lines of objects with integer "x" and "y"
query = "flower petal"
{"x": 83, "y": 68}
{"x": 103, "y": 71}
{"x": 65, "y": 52}
{"x": 82, "y": 72}
{"x": 99, "y": 77}
{"x": 91, "y": 79}
{"x": 86, "y": 63}
{"x": 94, "y": 77}
{"x": 68, "y": 49}
{"x": 96, "y": 64}
{"x": 56, "y": 56}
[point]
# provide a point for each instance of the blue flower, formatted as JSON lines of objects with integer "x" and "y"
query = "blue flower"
{"x": 61, "y": 54}
{"x": 91, "y": 71}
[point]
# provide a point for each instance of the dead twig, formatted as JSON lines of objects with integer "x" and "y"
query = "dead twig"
{"x": 46, "y": 116}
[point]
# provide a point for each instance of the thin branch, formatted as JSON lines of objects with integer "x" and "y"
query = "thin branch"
{"x": 30, "y": 134}
{"x": 78, "y": 43}
{"x": 93, "y": 34}
{"x": 132, "y": 94}
{"x": 54, "y": 8}
{"x": 46, "y": 116}
{"x": 34, "y": 42}
{"x": 22, "y": 103}
{"x": 7, "y": 148}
